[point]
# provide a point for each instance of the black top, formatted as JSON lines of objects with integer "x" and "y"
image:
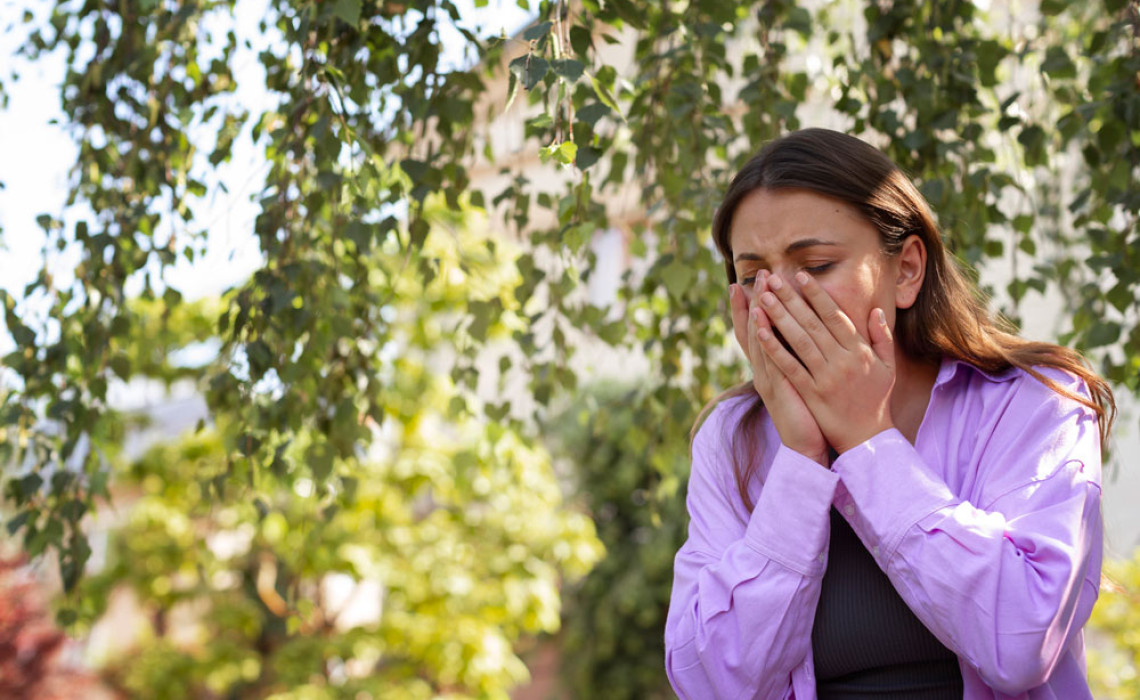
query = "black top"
{"x": 866, "y": 641}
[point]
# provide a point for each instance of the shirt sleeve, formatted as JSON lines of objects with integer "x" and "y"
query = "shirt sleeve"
{"x": 1008, "y": 579}
{"x": 745, "y": 592}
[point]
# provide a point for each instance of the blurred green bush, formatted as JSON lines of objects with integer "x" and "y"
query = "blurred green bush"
{"x": 630, "y": 477}
{"x": 1114, "y": 631}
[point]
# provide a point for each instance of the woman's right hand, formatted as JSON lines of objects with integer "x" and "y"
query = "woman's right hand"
{"x": 795, "y": 424}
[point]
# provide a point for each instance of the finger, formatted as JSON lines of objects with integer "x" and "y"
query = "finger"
{"x": 778, "y": 359}
{"x": 759, "y": 323}
{"x": 882, "y": 341}
{"x": 758, "y": 287}
{"x": 839, "y": 326}
{"x": 798, "y": 339}
{"x": 804, "y": 314}
{"x": 738, "y": 305}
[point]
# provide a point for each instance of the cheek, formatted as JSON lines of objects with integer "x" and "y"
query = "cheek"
{"x": 855, "y": 298}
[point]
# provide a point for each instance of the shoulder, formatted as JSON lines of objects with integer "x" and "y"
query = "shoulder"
{"x": 1015, "y": 392}
{"x": 1012, "y": 428}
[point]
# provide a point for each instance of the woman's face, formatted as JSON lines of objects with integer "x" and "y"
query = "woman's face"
{"x": 788, "y": 230}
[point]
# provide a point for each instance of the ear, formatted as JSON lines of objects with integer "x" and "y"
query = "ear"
{"x": 911, "y": 264}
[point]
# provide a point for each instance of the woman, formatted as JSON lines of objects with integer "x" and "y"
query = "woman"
{"x": 905, "y": 500}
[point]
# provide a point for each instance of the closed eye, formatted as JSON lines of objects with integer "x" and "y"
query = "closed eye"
{"x": 811, "y": 269}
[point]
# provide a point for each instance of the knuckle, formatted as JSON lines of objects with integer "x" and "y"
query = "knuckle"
{"x": 802, "y": 342}
{"x": 813, "y": 324}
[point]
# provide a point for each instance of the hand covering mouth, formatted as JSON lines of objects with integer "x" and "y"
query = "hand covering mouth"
{"x": 780, "y": 337}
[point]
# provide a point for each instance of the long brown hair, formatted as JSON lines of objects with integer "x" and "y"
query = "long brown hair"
{"x": 948, "y": 319}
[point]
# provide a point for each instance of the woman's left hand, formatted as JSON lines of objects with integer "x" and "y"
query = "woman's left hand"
{"x": 845, "y": 380}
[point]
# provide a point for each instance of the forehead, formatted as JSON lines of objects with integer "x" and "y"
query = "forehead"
{"x": 766, "y": 222}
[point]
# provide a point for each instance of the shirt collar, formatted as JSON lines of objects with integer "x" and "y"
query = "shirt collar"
{"x": 952, "y": 366}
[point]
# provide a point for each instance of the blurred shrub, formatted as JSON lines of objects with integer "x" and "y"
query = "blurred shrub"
{"x": 31, "y": 645}
{"x": 408, "y": 569}
{"x": 1113, "y": 663}
{"x": 629, "y": 475}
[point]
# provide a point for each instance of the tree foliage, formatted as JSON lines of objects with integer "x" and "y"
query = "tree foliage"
{"x": 449, "y": 527}
{"x": 371, "y": 312}
{"x": 1114, "y": 659}
{"x": 613, "y": 633}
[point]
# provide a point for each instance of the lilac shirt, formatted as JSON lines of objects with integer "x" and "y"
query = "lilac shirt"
{"x": 989, "y": 527}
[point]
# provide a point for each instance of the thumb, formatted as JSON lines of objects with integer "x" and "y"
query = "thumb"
{"x": 882, "y": 342}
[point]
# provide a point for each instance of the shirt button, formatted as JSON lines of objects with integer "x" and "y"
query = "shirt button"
{"x": 821, "y": 558}
{"x": 849, "y": 509}
{"x": 875, "y": 551}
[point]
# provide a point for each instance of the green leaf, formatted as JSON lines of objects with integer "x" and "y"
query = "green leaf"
{"x": 591, "y": 113}
{"x": 568, "y": 68}
{"x": 348, "y": 10}
{"x": 15, "y": 523}
{"x": 934, "y": 191}
{"x": 121, "y": 365}
{"x": 1102, "y": 333}
{"x": 538, "y": 31}
{"x": 580, "y": 40}
{"x": 587, "y": 156}
{"x": 66, "y": 617}
{"x": 24, "y": 336}
{"x": 512, "y": 91}
{"x": 575, "y": 237}
{"x": 798, "y": 20}
{"x": 678, "y": 278}
{"x": 73, "y": 510}
{"x": 415, "y": 169}
{"x": 248, "y": 444}
{"x": 613, "y": 333}
{"x": 1121, "y": 297}
{"x": 320, "y": 461}
{"x": 1033, "y": 139}
{"x": 1057, "y": 63}
{"x": 566, "y": 152}
{"x": 529, "y": 70}
{"x": 604, "y": 95}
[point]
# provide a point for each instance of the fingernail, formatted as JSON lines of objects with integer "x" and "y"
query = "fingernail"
{"x": 768, "y": 298}
{"x": 732, "y": 292}
{"x": 776, "y": 283}
{"x": 755, "y": 313}
{"x": 763, "y": 334}
{"x": 802, "y": 278}
{"x": 882, "y": 317}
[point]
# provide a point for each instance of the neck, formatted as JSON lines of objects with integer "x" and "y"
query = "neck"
{"x": 911, "y": 394}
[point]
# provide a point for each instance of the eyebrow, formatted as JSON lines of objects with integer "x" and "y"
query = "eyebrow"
{"x": 792, "y": 248}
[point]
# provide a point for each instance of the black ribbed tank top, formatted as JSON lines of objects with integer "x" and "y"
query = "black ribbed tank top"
{"x": 866, "y": 642}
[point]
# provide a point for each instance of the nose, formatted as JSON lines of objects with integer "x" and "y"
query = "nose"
{"x": 787, "y": 275}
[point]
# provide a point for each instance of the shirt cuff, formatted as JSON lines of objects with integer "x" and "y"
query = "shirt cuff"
{"x": 791, "y": 523}
{"x": 886, "y": 488}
